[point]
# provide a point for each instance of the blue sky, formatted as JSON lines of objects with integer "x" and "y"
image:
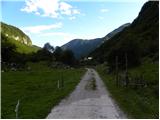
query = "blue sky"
{"x": 59, "y": 21}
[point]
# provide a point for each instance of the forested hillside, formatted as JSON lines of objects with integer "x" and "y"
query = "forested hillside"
{"x": 137, "y": 41}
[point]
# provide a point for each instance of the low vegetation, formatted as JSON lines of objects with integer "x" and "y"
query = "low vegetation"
{"x": 137, "y": 102}
{"x": 38, "y": 90}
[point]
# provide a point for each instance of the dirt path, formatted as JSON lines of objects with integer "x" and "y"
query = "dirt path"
{"x": 90, "y": 99}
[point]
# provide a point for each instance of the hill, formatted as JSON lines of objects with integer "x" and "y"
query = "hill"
{"x": 15, "y": 36}
{"x": 136, "y": 42}
{"x": 82, "y": 48}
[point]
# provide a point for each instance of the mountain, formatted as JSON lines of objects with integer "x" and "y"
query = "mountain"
{"x": 114, "y": 32}
{"x": 18, "y": 38}
{"x": 137, "y": 41}
{"x": 15, "y": 34}
{"x": 82, "y": 48}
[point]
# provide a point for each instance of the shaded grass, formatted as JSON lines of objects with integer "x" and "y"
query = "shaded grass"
{"x": 140, "y": 102}
{"x": 37, "y": 91}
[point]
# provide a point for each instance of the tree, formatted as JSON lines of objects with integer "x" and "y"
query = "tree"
{"x": 58, "y": 53}
{"x": 42, "y": 55}
{"x": 7, "y": 50}
{"x": 49, "y": 47}
{"x": 10, "y": 56}
{"x": 129, "y": 47}
{"x": 68, "y": 57}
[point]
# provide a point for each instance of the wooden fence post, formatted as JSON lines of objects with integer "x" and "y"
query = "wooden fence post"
{"x": 58, "y": 84}
{"x": 62, "y": 81}
{"x": 17, "y": 108}
{"x": 126, "y": 74}
{"x": 117, "y": 81}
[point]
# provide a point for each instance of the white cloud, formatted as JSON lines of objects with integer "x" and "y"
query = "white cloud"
{"x": 37, "y": 13}
{"x": 54, "y": 34}
{"x": 65, "y": 8}
{"x": 49, "y": 8}
{"x": 72, "y": 18}
{"x": 67, "y": 36}
{"x": 104, "y": 10}
{"x": 40, "y": 28}
{"x": 75, "y": 11}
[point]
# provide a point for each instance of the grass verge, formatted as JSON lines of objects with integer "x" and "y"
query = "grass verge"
{"x": 36, "y": 89}
{"x": 140, "y": 102}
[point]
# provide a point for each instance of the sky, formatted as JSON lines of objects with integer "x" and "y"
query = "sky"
{"x": 59, "y": 21}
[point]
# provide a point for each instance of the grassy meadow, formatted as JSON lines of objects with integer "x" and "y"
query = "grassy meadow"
{"x": 36, "y": 89}
{"x": 136, "y": 102}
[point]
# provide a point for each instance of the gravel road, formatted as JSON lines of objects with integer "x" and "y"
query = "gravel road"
{"x": 90, "y": 100}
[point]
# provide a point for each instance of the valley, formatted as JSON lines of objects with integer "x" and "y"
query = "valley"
{"x": 115, "y": 76}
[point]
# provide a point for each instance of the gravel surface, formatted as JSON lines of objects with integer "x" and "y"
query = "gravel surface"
{"x": 87, "y": 102}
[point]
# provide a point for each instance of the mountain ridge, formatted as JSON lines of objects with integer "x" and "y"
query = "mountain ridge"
{"x": 140, "y": 39}
{"x": 82, "y": 47}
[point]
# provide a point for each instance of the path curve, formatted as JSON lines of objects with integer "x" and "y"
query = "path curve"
{"x": 85, "y": 102}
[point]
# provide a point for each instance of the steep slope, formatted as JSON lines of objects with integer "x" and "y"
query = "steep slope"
{"x": 114, "y": 32}
{"x": 139, "y": 40}
{"x": 16, "y": 37}
{"x": 15, "y": 34}
{"x": 82, "y": 48}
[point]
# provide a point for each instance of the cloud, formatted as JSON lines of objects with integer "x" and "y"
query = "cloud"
{"x": 65, "y": 8}
{"x": 49, "y": 8}
{"x": 72, "y": 18}
{"x": 40, "y": 28}
{"x": 75, "y": 11}
{"x": 104, "y": 10}
{"x": 61, "y": 34}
